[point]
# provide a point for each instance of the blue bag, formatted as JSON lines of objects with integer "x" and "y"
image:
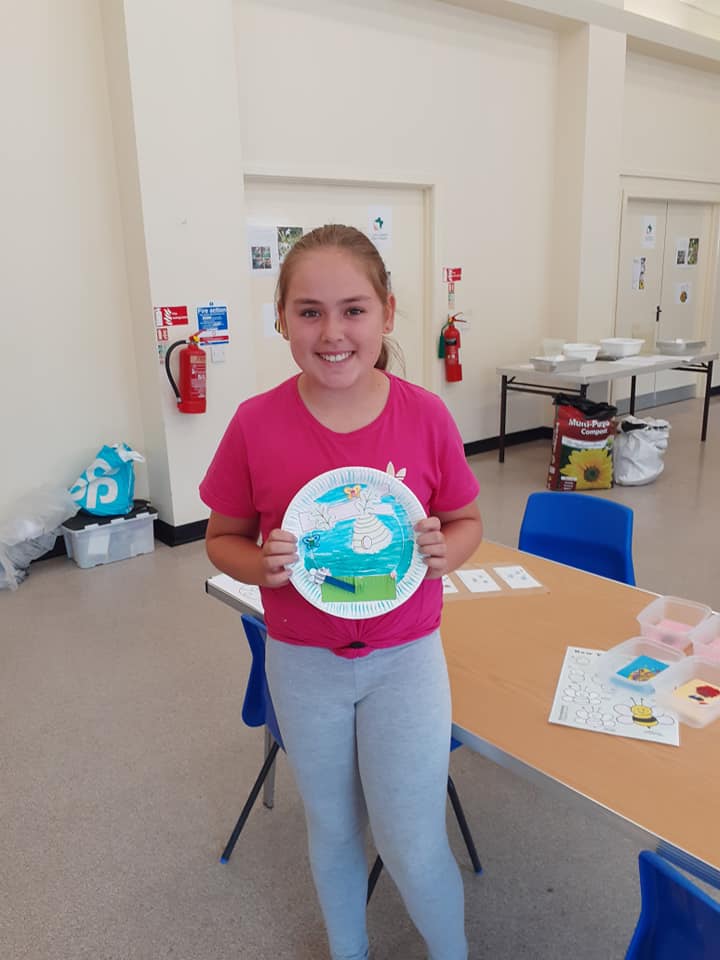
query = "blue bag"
{"x": 107, "y": 487}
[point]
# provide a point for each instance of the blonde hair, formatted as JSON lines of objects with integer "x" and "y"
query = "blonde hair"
{"x": 351, "y": 241}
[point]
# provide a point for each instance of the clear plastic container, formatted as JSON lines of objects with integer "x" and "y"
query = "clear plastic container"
{"x": 706, "y": 638}
{"x": 691, "y": 688}
{"x": 92, "y": 541}
{"x": 670, "y": 620}
{"x": 636, "y": 663}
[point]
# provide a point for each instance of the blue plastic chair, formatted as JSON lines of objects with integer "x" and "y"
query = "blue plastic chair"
{"x": 677, "y": 919}
{"x": 580, "y": 530}
{"x": 258, "y": 711}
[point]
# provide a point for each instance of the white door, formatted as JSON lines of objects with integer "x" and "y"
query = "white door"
{"x": 642, "y": 239}
{"x": 682, "y": 304}
{"x": 664, "y": 255}
{"x": 281, "y": 203}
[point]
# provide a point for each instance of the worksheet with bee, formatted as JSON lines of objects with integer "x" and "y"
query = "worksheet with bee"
{"x": 584, "y": 701}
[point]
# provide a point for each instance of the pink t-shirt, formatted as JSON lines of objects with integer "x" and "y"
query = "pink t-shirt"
{"x": 273, "y": 446}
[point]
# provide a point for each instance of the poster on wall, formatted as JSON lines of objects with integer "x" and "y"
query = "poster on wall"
{"x": 638, "y": 273}
{"x": 380, "y": 227}
{"x": 649, "y": 231}
{"x": 263, "y": 249}
{"x": 270, "y": 321}
{"x": 287, "y": 237}
{"x": 686, "y": 251}
{"x": 682, "y": 293}
{"x": 213, "y": 323}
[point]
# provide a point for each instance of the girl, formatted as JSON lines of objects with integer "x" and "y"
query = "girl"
{"x": 363, "y": 706}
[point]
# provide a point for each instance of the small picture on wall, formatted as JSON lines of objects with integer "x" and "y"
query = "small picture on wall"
{"x": 693, "y": 246}
{"x": 287, "y": 237}
{"x": 638, "y": 274}
{"x": 682, "y": 293}
{"x": 261, "y": 258}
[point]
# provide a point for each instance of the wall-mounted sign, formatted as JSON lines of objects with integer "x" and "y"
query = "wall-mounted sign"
{"x": 213, "y": 322}
{"x": 452, "y": 274}
{"x": 170, "y": 316}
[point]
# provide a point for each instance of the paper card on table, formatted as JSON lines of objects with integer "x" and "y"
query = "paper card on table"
{"x": 478, "y": 581}
{"x": 448, "y": 585}
{"x": 517, "y": 577}
{"x": 247, "y": 593}
{"x": 582, "y": 700}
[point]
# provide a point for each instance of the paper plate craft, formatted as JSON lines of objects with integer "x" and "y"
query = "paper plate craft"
{"x": 357, "y": 556}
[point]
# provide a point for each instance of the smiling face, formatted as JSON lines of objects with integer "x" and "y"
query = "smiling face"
{"x": 335, "y": 320}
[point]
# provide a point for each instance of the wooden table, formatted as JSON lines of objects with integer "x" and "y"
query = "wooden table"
{"x": 504, "y": 654}
{"x": 523, "y": 378}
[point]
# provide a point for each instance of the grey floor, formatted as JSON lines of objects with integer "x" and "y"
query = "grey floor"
{"x": 125, "y": 763}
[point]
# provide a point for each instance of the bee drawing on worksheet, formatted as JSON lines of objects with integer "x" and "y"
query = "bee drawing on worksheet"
{"x": 641, "y": 714}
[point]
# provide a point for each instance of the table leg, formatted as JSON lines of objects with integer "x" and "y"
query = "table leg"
{"x": 503, "y": 414}
{"x": 706, "y": 406}
{"x": 269, "y": 786}
{"x": 632, "y": 395}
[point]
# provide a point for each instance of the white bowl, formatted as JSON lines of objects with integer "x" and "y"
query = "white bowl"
{"x": 677, "y": 347}
{"x": 621, "y": 346}
{"x": 547, "y": 364}
{"x": 582, "y": 351}
{"x": 556, "y": 364}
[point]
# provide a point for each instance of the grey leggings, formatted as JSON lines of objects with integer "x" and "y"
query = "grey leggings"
{"x": 370, "y": 738}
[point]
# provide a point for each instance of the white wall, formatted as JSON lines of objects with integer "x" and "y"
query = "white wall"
{"x": 463, "y": 100}
{"x": 380, "y": 90}
{"x": 68, "y": 373}
{"x": 671, "y": 125}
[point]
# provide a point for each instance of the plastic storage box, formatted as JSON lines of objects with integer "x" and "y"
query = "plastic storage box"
{"x": 637, "y": 663}
{"x": 91, "y": 540}
{"x": 706, "y": 638}
{"x": 692, "y": 689}
{"x": 670, "y": 620}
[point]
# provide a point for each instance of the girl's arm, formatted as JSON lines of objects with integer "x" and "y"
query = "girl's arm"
{"x": 448, "y": 539}
{"x": 231, "y": 544}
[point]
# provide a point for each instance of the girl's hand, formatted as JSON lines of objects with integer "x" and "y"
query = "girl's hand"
{"x": 431, "y": 543}
{"x": 277, "y": 552}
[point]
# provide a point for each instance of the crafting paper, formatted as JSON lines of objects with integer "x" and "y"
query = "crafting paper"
{"x": 448, "y": 585}
{"x": 247, "y": 593}
{"x": 478, "y": 581}
{"x": 517, "y": 577}
{"x": 583, "y": 701}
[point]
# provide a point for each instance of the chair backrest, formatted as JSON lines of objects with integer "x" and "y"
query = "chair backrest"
{"x": 258, "y": 708}
{"x": 677, "y": 918}
{"x": 581, "y": 530}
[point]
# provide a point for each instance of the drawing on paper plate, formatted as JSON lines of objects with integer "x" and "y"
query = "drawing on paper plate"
{"x": 357, "y": 555}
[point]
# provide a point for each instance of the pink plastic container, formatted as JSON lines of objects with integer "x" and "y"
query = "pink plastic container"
{"x": 705, "y": 638}
{"x": 670, "y": 620}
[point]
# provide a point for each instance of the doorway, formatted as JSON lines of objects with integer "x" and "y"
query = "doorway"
{"x": 277, "y": 202}
{"x": 666, "y": 262}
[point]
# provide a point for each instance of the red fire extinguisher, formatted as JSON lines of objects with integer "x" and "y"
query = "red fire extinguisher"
{"x": 192, "y": 376}
{"x": 451, "y": 351}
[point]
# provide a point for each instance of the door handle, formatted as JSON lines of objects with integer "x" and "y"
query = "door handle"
{"x": 658, "y": 311}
